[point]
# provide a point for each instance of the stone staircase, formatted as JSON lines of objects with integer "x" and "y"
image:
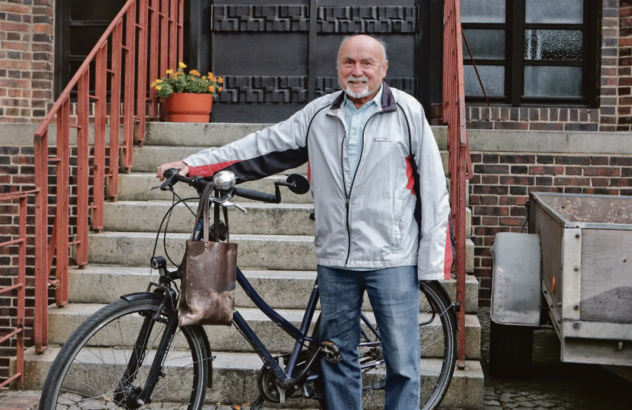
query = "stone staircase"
{"x": 275, "y": 253}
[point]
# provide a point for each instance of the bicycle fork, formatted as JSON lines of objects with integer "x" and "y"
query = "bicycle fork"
{"x": 134, "y": 397}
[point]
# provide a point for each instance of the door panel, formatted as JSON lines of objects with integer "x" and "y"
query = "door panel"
{"x": 275, "y": 56}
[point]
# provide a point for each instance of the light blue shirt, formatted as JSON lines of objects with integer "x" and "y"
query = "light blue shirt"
{"x": 355, "y": 120}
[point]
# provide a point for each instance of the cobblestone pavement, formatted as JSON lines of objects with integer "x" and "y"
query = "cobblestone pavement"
{"x": 553, "y": 385}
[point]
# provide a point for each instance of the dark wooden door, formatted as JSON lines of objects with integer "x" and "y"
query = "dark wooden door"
{"x": 277, "y": 55}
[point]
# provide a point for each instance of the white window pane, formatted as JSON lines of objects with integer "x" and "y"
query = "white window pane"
{"x": 493, "y": 79}
{"x": 554, "y": 45}
{"x": 555, "y": 12}
{"x": 485, "y": 44}
{"x": 558, "y": 82}
{"x": 483, "y": 11}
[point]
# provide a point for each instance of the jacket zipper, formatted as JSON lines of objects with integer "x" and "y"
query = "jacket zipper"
{"x": 348, "y": 196}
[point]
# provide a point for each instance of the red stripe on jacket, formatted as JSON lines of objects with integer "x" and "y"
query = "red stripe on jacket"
{"x": 208, "y": 170}
{"x": 447, "y": 267}
{"x": 309, "y": 173}
{"x": 409, "y": 174}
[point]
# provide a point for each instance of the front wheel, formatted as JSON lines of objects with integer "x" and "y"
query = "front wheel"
{"x": 92, "y": 369}
{"x": 438, "y": 341}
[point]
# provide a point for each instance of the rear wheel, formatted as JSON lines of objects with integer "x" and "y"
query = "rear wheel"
{"x": 90, "y": 369}
{"x": 438, "y": 338}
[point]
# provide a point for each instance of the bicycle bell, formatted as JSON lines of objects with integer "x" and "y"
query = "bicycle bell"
{"x": 224, "y": 180}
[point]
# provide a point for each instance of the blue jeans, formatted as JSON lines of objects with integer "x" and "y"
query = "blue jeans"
{"x": 394, "y": 296}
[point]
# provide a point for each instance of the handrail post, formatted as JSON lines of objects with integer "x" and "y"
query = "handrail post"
{"x": 61, "y": 219}
{"x": 130, "y": 70}
{"x": 181, "y": 31}
{"x": 153, "y": 64}
{"x": 173, "y": 32}
{"x": 115, "y": 109}
{"x": 83, "y": 152}
{"x": 141, "y": 94}
{"x": 100, "y": 79}
{"x": 19, "y": 368}
{"x": 40, "y": 331}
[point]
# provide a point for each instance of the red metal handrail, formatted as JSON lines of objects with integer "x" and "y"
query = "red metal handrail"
{"x": 459, "y": 162}
{"x": 19, "y": 286}
{"x": 129, "y": 36}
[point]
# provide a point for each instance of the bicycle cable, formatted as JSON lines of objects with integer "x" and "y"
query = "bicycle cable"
{"x": 167, "y": 217}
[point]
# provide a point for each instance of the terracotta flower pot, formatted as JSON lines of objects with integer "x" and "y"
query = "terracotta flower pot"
{"x": 186, "y": 107}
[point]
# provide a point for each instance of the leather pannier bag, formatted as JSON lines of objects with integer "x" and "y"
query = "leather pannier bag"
{"x": 208, "y": 280}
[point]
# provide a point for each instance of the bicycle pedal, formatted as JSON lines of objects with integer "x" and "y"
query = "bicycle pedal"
{"x": 331, "y": 351}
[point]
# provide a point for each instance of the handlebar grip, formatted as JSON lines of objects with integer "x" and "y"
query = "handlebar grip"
{"x": 170, "y": 172}
{"x": 256, "y": 195}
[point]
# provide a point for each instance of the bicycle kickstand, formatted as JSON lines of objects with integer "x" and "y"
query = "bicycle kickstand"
{"x": 258, "y": 403}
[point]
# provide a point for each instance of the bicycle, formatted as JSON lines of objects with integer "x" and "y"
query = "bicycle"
{"x": 150, "y": 362}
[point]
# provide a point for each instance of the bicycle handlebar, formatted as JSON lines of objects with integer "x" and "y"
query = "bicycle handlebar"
{"x": 172, "y": 176}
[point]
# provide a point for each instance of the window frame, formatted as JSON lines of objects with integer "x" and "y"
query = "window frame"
{"x": 515, "y": 27}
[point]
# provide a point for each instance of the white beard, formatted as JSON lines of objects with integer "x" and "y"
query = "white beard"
{"x": 361, "y": 94}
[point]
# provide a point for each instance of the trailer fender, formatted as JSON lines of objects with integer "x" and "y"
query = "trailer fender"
{"x": 516, "y": 284}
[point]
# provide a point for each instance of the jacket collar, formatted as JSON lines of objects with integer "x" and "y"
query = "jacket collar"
{"x": 388, "y": 101}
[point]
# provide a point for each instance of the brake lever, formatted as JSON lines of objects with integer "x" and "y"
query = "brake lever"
{"x": 228, "y": 204}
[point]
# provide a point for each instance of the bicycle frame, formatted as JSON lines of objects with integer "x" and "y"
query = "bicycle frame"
{"x": 300, "y": 335}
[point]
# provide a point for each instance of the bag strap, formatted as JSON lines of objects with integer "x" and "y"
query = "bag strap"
{"x": 203, "y": 211}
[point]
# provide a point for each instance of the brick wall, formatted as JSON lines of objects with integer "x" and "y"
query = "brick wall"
{"x": 502, "y": 182}
{"x": 26, "y": 59}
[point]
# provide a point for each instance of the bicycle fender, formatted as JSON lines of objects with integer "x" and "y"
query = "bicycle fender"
{"x": 142, "y": 295}
{"x": 442, "y": 289}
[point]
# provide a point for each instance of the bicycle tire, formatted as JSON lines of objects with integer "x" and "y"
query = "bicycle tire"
{"x": 438, "y": 346}
{"x": 104, "y": 339}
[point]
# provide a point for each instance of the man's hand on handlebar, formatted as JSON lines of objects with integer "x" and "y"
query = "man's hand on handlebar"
{"x": 183, "y": 169}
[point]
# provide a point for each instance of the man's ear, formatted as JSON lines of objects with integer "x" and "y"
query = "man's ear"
{"x": 384, "y": 68}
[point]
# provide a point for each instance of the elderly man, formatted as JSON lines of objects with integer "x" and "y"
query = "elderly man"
{"x": 382, "y": 212}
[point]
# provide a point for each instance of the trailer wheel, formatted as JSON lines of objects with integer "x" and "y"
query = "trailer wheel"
{"x": 510, "y": 350}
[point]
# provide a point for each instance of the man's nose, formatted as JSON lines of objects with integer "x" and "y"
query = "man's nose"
{"x": 357, "y": 70}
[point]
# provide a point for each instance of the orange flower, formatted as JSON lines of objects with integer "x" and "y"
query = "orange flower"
{"x": 219, "y": 90}
{"x": 211, "y": 89}
{"x": 220, "y": 80}
{"x": 194, "y": 73}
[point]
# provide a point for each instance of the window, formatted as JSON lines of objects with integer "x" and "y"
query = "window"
{"x": 531, "y": 52}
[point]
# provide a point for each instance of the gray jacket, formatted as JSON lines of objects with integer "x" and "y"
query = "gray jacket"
{"x": 395, "y": 210}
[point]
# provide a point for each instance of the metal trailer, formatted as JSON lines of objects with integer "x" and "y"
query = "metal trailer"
{"x": 574, "y": 269}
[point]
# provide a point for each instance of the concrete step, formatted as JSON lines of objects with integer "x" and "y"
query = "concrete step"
{"x": 281, "y": 289}
{"x": 235, "y": 375}
{"x": 148, "y": 157}
{"x": 218, "y": 134}
{"x": 282, "y": 219}
{"x": 276, "y": 252}
{"x": 136, "y": 187}
{"x": 62, "y": 322}
{"x": 145, "y": 216}
{"x": 191, "y": 138}
{"x": 292, "y": 252}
